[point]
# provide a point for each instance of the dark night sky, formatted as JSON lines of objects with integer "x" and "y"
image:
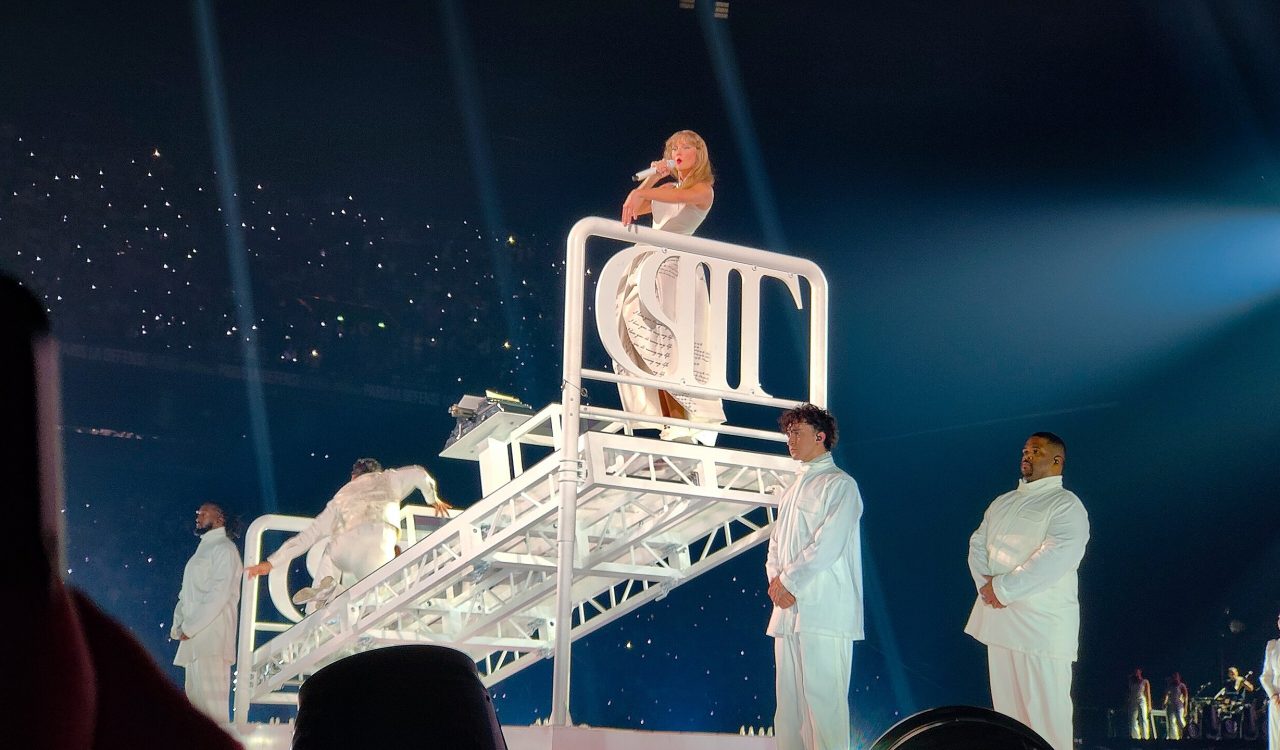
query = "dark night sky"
{"x": 1033, "y": 217}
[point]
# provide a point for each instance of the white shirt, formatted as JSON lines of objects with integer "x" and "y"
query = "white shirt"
{"x": 209, "y": 600}
{"x": 1270, "y": 677}
{"x": 1031, "y": 541}
{"x": 374, "y": 497}
{"x": 816, "y": 551}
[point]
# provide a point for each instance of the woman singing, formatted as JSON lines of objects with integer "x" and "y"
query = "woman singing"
{"x": 679, "y": 195}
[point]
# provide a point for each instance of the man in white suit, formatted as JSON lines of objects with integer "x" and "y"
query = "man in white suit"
{"x": 1023, "y": 559}
{"x": 814, "y": 569}
{"x": 204, "y": 622}
{"x": 1271, "y": 686}
{"x": 362, "y": 522}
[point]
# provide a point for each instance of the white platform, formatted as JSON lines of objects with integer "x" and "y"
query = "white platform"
{"x": 580, "y": 521}
{"x": 279, "y": 737}
{"x": 651, "y": 516}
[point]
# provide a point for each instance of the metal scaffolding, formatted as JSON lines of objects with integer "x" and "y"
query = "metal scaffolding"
{"x": 581, "y": 521}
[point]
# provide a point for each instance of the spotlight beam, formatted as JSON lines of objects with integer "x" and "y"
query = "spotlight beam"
{"x": 237, "y": 255}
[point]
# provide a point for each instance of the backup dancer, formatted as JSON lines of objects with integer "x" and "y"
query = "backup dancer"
{"x": 1023, "y": 559}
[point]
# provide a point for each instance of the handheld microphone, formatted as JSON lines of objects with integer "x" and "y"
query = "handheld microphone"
{"x": 638, "y": 176}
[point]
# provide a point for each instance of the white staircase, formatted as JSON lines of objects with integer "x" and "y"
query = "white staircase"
{"x": 494, "y": 580}
{"x": 651, "y": 515}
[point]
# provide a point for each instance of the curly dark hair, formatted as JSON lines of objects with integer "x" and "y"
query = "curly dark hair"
{"x": 816, "y": 417}
{"x": 365, "y": 466}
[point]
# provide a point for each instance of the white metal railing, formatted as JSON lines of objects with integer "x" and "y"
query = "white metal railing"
{"x": 575, "y": 528}
{"x": 653, "y": 514}
{"x": 720, "y": 259}
{"x": 252, "y": 624}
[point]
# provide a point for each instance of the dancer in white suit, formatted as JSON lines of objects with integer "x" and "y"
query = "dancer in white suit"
{"x": 1271, "y": 686}
{"x": 814, "y": 569}
{"x": 362, "y": 521}
{"x": 678, "y": 205}
{"x": 1023, "y": 559}
{"x": 204, "y": 622}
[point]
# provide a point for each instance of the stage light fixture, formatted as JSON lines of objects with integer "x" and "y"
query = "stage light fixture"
{"x": 960, "y": 728}
{"x": 384, "y": 686}
{"x": 720, "y": 10}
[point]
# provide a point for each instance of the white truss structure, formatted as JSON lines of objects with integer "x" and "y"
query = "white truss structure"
{"x": 501, "y": 580}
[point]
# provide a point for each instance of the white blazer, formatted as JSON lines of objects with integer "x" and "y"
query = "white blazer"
{"x": 816, "y": 550}
{"x": 209, "y": 601}
{"x": 1031, "y": 542}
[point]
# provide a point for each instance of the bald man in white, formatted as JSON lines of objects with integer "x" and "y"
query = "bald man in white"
{"x": 204, "y": 622}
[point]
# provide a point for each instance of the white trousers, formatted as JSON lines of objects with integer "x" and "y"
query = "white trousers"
{"x": 362, "y": 550}
{"x": 208, "y": 686}
{"x": 812, "y": 680}
{"x": 1035, "y": 690}
{"x": 1140, "y": 722}
{"x": 1176, "y": 722}
{"x": 1273, "y": 725}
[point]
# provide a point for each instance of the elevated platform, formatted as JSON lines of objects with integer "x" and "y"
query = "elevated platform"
{"x": 650, "y": 516}
{"x": 580, "y": 521}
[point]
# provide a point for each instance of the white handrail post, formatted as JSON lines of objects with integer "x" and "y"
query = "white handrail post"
{"x": 243, "y": 694}
{"x": 571, "y": 398}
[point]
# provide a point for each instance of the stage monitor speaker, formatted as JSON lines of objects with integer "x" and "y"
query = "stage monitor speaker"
{"x": 960, "y": 728}
{"x": 1249, "y": 723}
{"x": 1211, "y": 724}
{"x": 399, "y": 696}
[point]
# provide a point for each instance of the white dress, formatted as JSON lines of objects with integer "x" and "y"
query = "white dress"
{"x": 652, "y": 344}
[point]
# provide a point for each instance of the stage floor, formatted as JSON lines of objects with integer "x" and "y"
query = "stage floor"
{"x": 1123, "y": 743}
{"x": 280, "y": 736}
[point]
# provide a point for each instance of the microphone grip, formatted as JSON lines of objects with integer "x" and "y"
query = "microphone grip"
{"x": 639, "y": 176}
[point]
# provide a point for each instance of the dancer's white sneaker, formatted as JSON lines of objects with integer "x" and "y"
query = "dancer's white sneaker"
{"x": 321, "y": 590}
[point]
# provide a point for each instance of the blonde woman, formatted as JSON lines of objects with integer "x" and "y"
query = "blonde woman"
{"x": 679, "y": 195}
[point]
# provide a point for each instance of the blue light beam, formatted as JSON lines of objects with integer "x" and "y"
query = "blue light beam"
{"x": 725, "y": 64}
{"x": 237, "y": 256}
{"x": 469, "y": 101}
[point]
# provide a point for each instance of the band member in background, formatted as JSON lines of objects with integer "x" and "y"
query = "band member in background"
{"x": 1235, "y": 686}
{"x": 1138, "y": 703}
{"x": 1176, "y": 700}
